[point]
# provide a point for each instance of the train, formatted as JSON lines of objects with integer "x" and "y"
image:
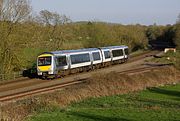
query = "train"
{"x": 61, "y": 63}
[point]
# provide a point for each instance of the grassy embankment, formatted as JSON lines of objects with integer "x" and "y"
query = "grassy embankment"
{"x": 99, "y": 85}
{"x": 168, "y": 58}
{"x": 158, "y": 104}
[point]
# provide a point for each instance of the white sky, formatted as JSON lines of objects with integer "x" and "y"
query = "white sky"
{"x": 116, "y": 11}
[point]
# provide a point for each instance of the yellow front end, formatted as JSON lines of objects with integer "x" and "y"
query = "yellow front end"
{"x": 44, "y": 66}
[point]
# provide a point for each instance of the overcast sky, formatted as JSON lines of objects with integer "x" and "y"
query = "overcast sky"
{"x": 115, "y": 11}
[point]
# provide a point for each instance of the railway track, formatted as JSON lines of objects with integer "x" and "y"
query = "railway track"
{"x": 38, "y": 90}
{"x": 23, "y": 79}
{"x": 21, "y": 88}
{"x": 47, "y": 89}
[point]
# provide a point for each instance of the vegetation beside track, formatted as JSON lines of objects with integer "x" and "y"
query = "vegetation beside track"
{"x": 168, "y": 58}
{"x": 99, "y": 85}
{"x": 153, "y": 104}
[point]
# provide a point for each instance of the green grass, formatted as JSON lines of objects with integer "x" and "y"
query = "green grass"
{"x": 155, "y": 104}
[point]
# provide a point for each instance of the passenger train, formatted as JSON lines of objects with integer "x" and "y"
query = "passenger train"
{"x": 61, "y": 63}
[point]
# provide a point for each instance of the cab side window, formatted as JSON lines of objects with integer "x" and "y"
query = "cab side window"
{"x": 126, "y": 51}
{"x": 61, "y": 61}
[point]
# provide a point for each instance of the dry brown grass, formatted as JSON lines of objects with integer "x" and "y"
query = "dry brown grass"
{"x": 99, "y": 85}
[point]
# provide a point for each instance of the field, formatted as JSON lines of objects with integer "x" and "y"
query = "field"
{"x": 154, "y": 104}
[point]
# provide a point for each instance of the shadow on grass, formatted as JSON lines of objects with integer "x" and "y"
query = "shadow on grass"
{"x": 165, "y": 102}
{"x": 161, "y": 103}
{"x": 165, "y": 92}
{"x": 97, "y": 117}
{"x": 157, "y": 65}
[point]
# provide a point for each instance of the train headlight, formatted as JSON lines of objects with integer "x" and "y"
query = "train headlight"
{"x": 39, "y": 73}
{"x": 50, "y": 71}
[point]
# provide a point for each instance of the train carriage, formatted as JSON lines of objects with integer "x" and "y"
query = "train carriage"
{"x": 72, "y": 61}
{"x": 114, "y": 54}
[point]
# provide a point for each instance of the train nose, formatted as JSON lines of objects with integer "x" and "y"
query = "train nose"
{"x": 44, "y": 68}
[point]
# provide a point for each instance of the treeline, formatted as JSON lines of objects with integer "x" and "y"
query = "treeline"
{"x": 23, "y": 36}
{"x": 164, "y": 36}
{"x": 26, "y": 40}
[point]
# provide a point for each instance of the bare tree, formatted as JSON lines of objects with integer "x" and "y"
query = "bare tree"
{"x": 15, "y": 10}
{"x": 1, "y": 3}
{"x": 65, "y": 19}
{"x": 52, "y": 18}
{"x": 53, "y": 22}
{"x": 46, "y": 17}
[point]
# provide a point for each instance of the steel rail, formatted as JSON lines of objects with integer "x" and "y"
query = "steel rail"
{"x": 66, "y": 84}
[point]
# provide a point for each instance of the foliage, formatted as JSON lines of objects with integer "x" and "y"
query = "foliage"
{"x": 36, "y": 38}
{"x": 178, "y": 19}
{"x": 177, "y": 60}
{"x": 161, "y": 37}
{"x": 154, "y": 32}
{"x": 12, "y": 12}
{"x": 177, "y": 36}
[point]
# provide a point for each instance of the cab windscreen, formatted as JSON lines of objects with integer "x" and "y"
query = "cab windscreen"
{"x": 44, "y": 61}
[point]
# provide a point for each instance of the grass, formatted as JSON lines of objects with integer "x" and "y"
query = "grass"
{"x": 138, "y": 52}
{"x": 158, "y": 104}
{"x": 169, "y": 58}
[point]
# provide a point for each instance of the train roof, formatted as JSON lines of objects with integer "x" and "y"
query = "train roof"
{"x": 82, "y": 50}
{"x": 73, "y": 51}
{"x": 114, "y": 47}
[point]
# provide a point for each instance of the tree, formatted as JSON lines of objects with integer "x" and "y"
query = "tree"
{"x": 12, "y": 13}
{"x": 177, "y": 36}
{"x": 52, "y": 22}
{"x": 14, "y": 10}
{"x": 52, "y": 18}
{"x": 1, "y": 7}
{"x": 178, "y": 19}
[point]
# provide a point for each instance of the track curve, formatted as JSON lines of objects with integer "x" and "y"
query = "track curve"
{"x": 26, "y": 87}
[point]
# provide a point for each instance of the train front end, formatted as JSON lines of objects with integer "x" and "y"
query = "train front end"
{"x": 45, "y": 65}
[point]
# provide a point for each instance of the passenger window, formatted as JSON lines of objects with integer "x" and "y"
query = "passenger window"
{"x": 96, "y": 56}
{"x": 61, "y": 61}
{"x": 117, "y": 53}
{"x": 107, "y": 54}
{"x": 80, "y": 58}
